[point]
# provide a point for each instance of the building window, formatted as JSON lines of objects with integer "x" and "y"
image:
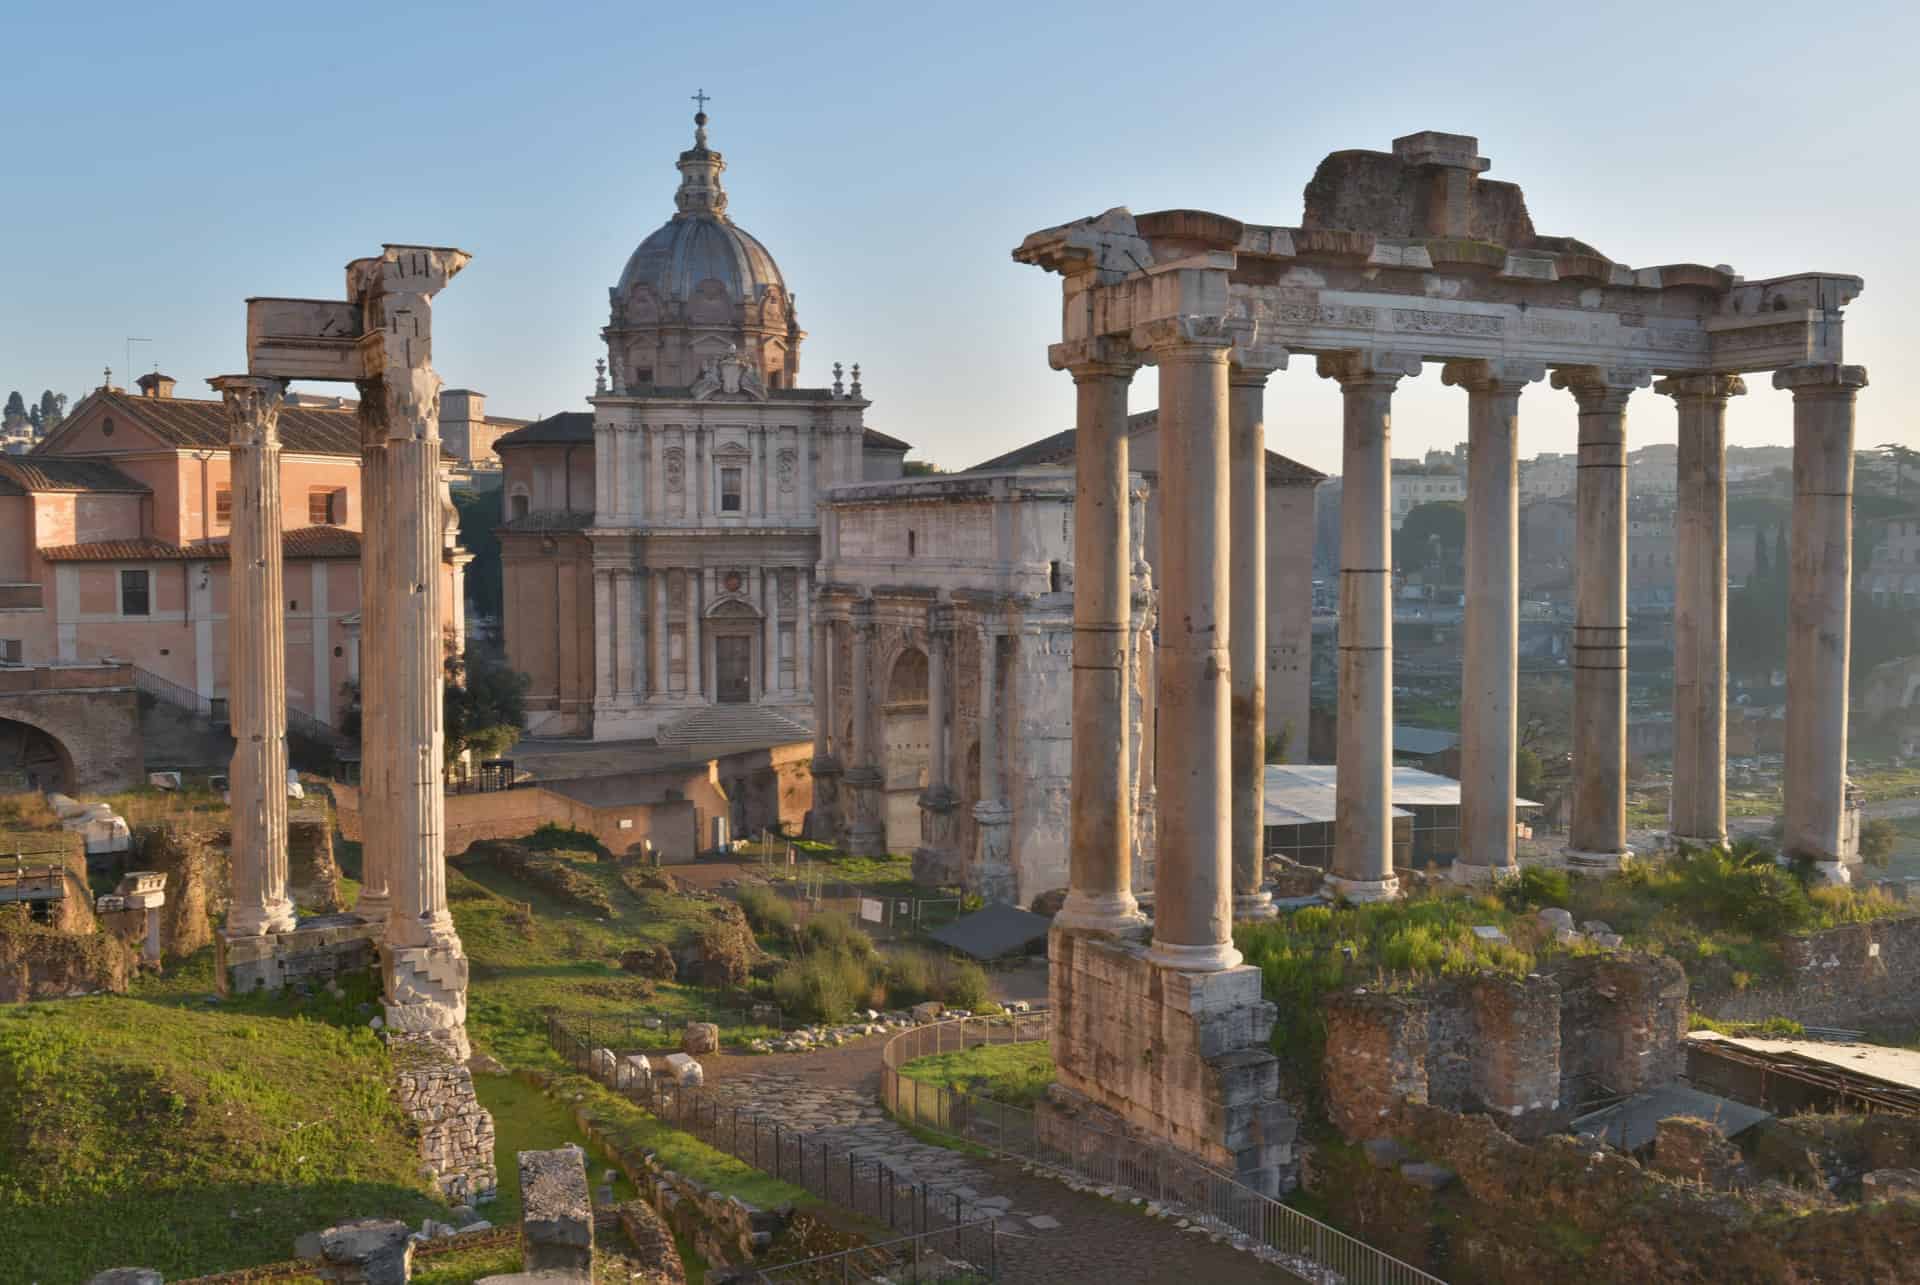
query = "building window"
{"x": 10, "y": 651}
{"x": 223, "y": 507}
{"x": 133, "y": 594}
{"x": 730, "y": 490}
{"x": 912, "y": 543}
{"x": 521, "y": 506}
{"x": 320, "y": 507}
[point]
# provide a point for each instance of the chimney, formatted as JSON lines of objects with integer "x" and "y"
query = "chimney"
{"x": 155, "y": 385}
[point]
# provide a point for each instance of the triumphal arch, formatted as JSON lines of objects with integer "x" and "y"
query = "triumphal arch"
{"x": 1401, "y": 258}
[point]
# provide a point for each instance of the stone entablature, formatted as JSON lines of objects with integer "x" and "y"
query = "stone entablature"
{"x": 963, "y": 585}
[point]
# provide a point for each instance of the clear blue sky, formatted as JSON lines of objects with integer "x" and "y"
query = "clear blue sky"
{"x": 168, "y": 161}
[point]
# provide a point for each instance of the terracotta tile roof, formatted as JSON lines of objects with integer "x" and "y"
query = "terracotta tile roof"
{"x": 201, "y": 425}
{"x": 1058, "y": 449}
{"x": 58, "y": 473}
{"x": 880, "y": 441}
{"x": 567, "y": 426}
{"x": 300, "y": 542}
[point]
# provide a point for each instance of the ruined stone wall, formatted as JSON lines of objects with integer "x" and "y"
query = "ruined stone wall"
{"x": 313, "y": 878}
{"x": 1854, "y": 976}
{"x": 189, "y": 862}
{"x": 456, "y": 1133}
{"x": 1623, "y": 1022}
{"x": 1181, "y": 1056}
{"x": 38, "y": 961}
{"x": 1517, "y": 1213}
{"x": 321, "y": 950}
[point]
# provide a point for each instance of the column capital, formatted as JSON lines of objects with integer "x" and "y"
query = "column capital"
{"x": 940, "y": 623}
{"x": 1821, "y": 379}
{"x": 1601, "y": 388}
{"x": 1356, "y": 368}
{"x": 1253, "y": 357}
{"x": 253, "y": 408}
{"x": 1097, "y": 358}
{"x": 860, "y": 616}
{"x": 1186, "y": 338}
{"x": 1492, "y": 375}
{"x": 1717, "y": 388}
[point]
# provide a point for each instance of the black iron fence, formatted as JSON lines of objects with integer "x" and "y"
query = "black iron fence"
{"x": 833, "y": 1169}
{"x": 1209, "y": 1197}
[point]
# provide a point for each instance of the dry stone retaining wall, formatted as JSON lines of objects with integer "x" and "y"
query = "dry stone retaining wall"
{"x": 456, "y": 1133}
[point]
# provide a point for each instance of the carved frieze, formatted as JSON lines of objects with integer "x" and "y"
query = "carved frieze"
{"x": 789, "y": 598}
{"x": 1422, "y": 321}
{"x": 784, "y": 466}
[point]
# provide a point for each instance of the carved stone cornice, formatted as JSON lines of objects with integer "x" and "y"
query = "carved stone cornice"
{"x": 1101, "y": 357}
{"x": 1367, "y": 368}
{"x": 253, "y": 408}
{"x": 1713, "y": 388}
{"x": 1199, "y": 338}
{"x": 1499, "y": 376}
{"x": 1601, "y": 390}
{"x": 1821, "y": 379}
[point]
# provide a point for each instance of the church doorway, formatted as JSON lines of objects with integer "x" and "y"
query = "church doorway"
{"x": 733, "y": 669}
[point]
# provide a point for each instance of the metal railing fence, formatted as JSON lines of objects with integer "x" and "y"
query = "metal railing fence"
{"x": 1160, "y": 1173}
{"x": 165, "y": 689}
{"x": 830, "y": 1168}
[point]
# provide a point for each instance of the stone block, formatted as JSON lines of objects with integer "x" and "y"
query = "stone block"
{"x": 1429, "y": 1177}
{"x": 372, "y": 1251}
{"x": 556, "y": 1221}
{"x": 1555, "y": 918}
{"x": 928, "y": 1012}
{"x": 700, "y": 1037}
{"x": 601, "y": 1065}
{"x": 685, "y": 1070}
{"x": 1891, "y": 1184}
{"x": 633, "y": 1072}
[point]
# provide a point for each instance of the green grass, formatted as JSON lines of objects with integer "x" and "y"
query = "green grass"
{"x": 633, "y": 1130}
{"x": 153, "y": 1129}
{"x": 464, "y": 1266}
{"x": 532, "y": 953}
{"x": 526, "y": 1119}
{"x": 1017, "y": 1074}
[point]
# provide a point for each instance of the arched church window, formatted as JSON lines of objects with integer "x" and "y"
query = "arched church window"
{"x": 520, "y": 504}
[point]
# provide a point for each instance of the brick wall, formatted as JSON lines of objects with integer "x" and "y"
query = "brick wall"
{"x": 1856, "y": 976}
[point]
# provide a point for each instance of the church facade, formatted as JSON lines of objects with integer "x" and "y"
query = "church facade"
{"x": 659, "y": 552}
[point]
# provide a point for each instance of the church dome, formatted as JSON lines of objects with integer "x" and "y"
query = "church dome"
{"x": 699, "y": 288}
{"x": 692, "y": 248}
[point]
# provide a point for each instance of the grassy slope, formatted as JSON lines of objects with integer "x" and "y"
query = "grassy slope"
{"x": 153, "y": 1129}
{"x": 1015, "y": 1073}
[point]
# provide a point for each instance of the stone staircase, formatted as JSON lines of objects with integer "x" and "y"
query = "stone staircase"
{"x": 734, "y": 725}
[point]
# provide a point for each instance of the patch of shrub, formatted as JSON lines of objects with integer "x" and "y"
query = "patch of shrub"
{"x": 916, "y": 976}
{"x": 556, "y": 876}
{"x": 767, "y": 910}
{"x": 1536, "y": 887}
{"x": 822, "y": 987}
{"x": 561, "y": 838}
{"x": 835, "y": 933}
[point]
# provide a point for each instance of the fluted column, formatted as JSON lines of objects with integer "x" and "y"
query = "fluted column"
{"x": 605, "y": 667}
{"x": 1819, "y": 622}
{"x": 867, "y": 835}
{"x": 803, "y": 632}
{"x": 993, "y": 819}
{"x": 1363, "y": 792}
{"x": 418, "y": 916}
{"x": 1489, "y": 693}
{"x": 1700, "y": 607}
{"x": 1247, "y": 479}
{"x": 827, "y": 820}
{"x": 1100, "y": 878}
{"x": 1599, "y": 828}
{"x": 376, "y": 713}
{"x": 257, "y": 650}
{"x": 1193, "y": 910}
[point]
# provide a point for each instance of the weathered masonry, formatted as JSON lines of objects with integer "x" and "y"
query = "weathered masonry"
{"x": 1400, "y": 259}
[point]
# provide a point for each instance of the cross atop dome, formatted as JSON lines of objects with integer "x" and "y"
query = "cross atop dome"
{"x": 700, "y": 100}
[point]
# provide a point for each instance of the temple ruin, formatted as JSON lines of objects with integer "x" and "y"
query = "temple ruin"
{"x": 1400, "y": 259}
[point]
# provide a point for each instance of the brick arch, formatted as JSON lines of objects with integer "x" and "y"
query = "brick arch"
{"x": 22, "y": 736}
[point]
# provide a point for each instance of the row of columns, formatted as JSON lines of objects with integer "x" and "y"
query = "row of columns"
{"x": 1210, "y": 778}
{"x": 623, "y": 678}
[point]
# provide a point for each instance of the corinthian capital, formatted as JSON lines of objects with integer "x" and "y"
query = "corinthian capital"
{"x": 1492, "y": 375}
{"x": 1716, "y": 388}
{"x": 253, "y": 408}
{"x": 1367, "y": 368}
{"x": 1601, "y": 389}
{"x": 1821, "y": 379}
{"x": 1184, "y": 334}
{"x": 1099, "y": 357}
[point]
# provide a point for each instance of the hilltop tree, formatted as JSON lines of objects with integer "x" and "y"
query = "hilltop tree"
{"x": 1902, "y": 457}
{"x": 53, "y": 409}
{"x": 16, "y": 412}
{"x": 1435, "y": 532}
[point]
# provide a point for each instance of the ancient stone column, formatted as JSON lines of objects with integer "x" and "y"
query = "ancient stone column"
{"x": 993, "y": 819}
{"x": 696, "y": 650}
{"x": 623, "y": 616}
{"x": 1100, "y": 875}
{"x": 867, "y": 835}
{"x": 1488, "y": 687}
{"x": 826, "y": 766}
{"x": 1699, "y": 811}
{"x": 425, "y": 968}
{"x": 376, "y": 712}
{"x": 1193, "y": 910}
{"x": 256, "y": 659}
{"x": 1599, "y": 827}
{"x": 938, "y": 800}
{"x": 1819, "y": 621}
{"x": 770, "y": 631}
{"x": 1247, "y": 479}
{"x": 1363, "y": 793}
{"x": 662, "y": 633}
{"x": 803, "y": 630}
